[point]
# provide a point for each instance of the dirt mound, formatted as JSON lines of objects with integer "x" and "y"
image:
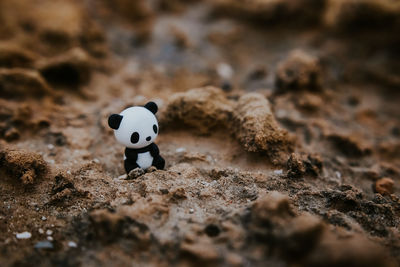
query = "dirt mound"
{"x": 250, "y": 119}
{"x": 27, "y": 166}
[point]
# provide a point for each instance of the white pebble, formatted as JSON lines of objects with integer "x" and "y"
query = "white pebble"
{"x": 338, "y": 175}
{"x": 49, "y": 232}
{"x": 278, "y": 171}
{"x": 180, "y": 150}
{"x": 50, "y": 146}
{"x": 191, "y": 211}
{"x": 51, "y": 161}
{"x": 49, "y": 238}
{"x": 123, "y": 176}
{"x": 72, "y": 244}
{"x": 44, "y": 218}
{"x": 24, "y": 235}
{"x": 69, "y": 172}
{"x": 224, "y": 70}
{"x": 41, "y": 231}
{"x": 96, "y": 160}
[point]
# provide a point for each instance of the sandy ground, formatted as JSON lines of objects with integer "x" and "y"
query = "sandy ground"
{"x": 279, "y": 122}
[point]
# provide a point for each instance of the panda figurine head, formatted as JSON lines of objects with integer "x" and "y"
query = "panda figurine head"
{"x": 135, "y": 127}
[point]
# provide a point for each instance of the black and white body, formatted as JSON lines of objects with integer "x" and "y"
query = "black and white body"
{"x": 136, "y": 128}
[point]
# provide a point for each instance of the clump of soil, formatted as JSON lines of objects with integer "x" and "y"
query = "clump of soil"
{"x": 249, "y": 119}
{"x": 299, "y": 71}
{"x": 256, "y": 128}
{"x": 203, "y": 108}
{"x": 27, "y": 166}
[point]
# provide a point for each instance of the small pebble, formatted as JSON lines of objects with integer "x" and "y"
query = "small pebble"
{"x": 338, "y": 175}
{"x": 384, "y": 186}
{"x": 123, "y": 176}
{"x": 49, "y": 232}
{"x": 72, "y": 244}
{"x": 50, "y": 146}
{"x": 50, "y": 238}
{"x": 44, "y": 218}
{"x": 180, "y": 150}
{"x": 278, "y": 171}
{"x": 69, "y": 172}
{"x": 44, "y": 245}
{"x": 96, "y": 160}
{"x": 224, "y": 70}
{"x": 24, "y": 235}
{"x": 41, "y": 231}
{"x": 191, "y": 211}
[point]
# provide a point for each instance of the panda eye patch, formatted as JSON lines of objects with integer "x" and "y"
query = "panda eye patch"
{"x": 155, "y": 129}
{"x": 135, "y": 138}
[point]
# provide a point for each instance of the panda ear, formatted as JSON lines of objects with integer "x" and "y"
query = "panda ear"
{"x": 114, "y": 121}
{"x": 152, "y": 107}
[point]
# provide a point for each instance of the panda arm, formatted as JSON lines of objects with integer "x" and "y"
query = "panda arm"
{"x": 131, "y": 154}
{"x": 154, "y": 151}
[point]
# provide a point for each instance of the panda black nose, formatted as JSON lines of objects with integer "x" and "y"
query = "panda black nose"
{"x": 148, "y": 138}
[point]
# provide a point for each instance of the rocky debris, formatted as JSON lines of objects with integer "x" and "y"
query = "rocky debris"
{"x": 300, "y": 165}
{"x": 70, "y": 69}
{"x": 202, "y": 108}
{"x": 299, "y": 71}
{"x": 22, "y": 83}
{"x": 384, "y": 186}
{"x": 376, "y": 217}
{"x": 12, "y": 56}
{"x": 26, "y": 165}
{"x": 257, "y": 130}
{"x": 349, "y": 145}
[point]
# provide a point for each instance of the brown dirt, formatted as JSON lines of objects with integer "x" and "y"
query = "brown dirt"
{"x": 286, "y": 153}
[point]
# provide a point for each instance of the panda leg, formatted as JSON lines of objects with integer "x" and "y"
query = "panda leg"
{"x": 130, "y": 166}
{"x": 159, "y": 162}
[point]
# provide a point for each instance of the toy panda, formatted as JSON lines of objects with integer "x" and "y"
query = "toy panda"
{"x": 137, "y": 128}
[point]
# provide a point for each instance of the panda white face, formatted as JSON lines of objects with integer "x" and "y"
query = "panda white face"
{"x": 135, "y": 127}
